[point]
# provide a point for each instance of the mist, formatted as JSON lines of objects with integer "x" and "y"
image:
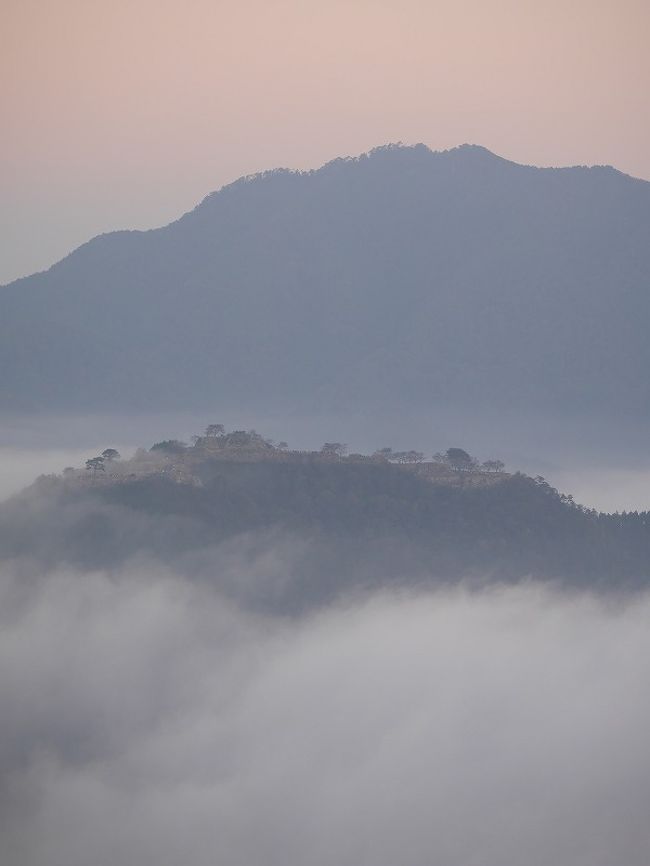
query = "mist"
{"x": 174, "y": 693}
{"x": 147, "y": 719}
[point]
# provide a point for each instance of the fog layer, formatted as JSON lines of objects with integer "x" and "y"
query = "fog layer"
{"x": 147, "y": 721}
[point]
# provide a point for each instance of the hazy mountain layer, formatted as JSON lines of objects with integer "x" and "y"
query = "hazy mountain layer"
{"x": 405, "y": 277}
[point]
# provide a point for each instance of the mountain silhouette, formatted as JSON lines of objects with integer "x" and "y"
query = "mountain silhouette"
{"x": 402, "y": 277}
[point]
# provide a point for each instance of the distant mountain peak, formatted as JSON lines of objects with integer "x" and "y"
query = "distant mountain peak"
{"x": 399, "y": 277}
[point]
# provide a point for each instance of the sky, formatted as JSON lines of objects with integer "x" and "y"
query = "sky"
{"x": 126, "y": 114}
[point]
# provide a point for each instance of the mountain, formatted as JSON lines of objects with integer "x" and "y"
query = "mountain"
{"x": 299, "y": 531}
{"x": 403, "y": 277}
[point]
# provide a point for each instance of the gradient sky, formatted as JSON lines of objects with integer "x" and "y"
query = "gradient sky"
{"x": 124, "y": 114}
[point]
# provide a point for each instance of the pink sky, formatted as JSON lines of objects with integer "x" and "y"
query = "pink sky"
{"x": 123, "y": 114}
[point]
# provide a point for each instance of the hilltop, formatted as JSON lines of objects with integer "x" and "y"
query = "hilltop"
{"x": 196, "y": 464}
{"x": 309, "y": 526}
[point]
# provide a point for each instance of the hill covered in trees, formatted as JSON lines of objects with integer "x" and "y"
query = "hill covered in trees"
{"x": 402, "y": 278}
{"x": 289, "y": 530}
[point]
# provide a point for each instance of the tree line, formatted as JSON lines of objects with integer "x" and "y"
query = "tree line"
{"x": 216, "y": 436}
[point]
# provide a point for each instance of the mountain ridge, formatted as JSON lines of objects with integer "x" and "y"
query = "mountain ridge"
{"x": 464, "y": 148}
{"x": 379, "y": 280}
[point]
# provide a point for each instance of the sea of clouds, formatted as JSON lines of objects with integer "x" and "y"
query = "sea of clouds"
{"x": 148, "y": 721}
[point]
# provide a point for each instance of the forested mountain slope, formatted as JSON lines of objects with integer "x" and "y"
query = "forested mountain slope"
{"x": 292, "y": 535}
{"x": 404, "y": 277}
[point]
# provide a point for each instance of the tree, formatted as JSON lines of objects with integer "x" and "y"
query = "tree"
{"x": 386, "y": 453}
{"x": 95, "y": 464}
{"x": 282, "y": 446}
{"x": 214, "y": 430}
{"x": 460, "y": 460}
{"x": 493, "y": 466}
{"x": 110, "y": 454}
{"x": 169, "y": 446}
{"x": 334, "y": 449}
{"x": 241, "y": 439}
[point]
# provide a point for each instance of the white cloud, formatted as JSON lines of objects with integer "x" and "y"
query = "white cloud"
{"x": 146, "y": 721}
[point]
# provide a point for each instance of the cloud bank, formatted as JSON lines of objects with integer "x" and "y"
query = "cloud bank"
{"x": 147, "y": 721}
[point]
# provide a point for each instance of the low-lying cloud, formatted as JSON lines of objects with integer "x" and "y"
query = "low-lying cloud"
{"x": 146, "y": 721}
